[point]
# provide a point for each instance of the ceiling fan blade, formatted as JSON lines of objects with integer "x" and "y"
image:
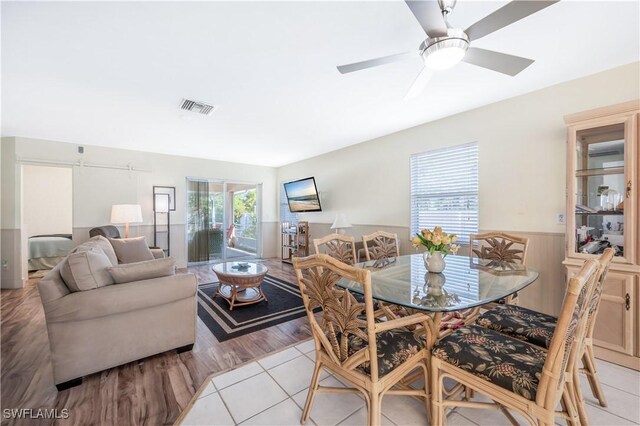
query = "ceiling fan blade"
{"x": 419, "y": 83}
{"x": 496, "y": 61}
{"x": 370, "y": 63}
{"x": 429, "y": 15}
{"x": 506, "y": 15}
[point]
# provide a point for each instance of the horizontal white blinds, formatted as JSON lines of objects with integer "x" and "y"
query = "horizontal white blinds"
{"x": 285, "y": 213}
{"x": 444, "y": 190}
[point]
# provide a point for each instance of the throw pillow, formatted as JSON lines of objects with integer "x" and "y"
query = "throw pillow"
{"x": 86, "y": 270}
{"x": 130, "y": 250}
{"x": 144, "y": 270}
{"x": 106, "y": 247}
{"x": 101, "y": 243}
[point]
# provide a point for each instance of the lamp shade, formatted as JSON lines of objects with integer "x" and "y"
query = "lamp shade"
{"x": 126, "y": 213}
{"x": 340, "y": 222}
{"x": 161, "y": 204}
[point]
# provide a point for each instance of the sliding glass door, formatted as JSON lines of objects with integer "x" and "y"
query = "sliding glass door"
{"x": 223, "y": 220}
{"x": 243, "y": 213}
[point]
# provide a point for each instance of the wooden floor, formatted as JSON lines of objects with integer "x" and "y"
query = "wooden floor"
{"x": 152, "y": 391}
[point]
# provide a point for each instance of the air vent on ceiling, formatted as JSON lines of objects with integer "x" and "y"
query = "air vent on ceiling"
{"x": 195, "y": 106}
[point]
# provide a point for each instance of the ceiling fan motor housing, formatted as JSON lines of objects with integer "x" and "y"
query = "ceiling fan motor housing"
{"x": 444, "y": 52}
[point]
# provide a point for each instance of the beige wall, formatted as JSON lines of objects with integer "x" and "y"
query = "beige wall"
{"x": 47, "y": 200}
{"x": 522, "y": 172}
{"x": 96, "y": 189}
{"x": 522, "y": 158}
{"x": 12, "y": 272}
{"x": 522, "y": 167}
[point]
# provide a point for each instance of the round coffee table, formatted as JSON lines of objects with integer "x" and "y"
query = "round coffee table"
{"x": 240, "y": 285}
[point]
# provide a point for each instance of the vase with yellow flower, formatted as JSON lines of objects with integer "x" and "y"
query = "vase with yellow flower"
{"x": 439, "y": 244}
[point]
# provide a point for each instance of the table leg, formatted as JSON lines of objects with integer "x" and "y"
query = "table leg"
{"x": 234, "y": 294}
{"x": 431, "y": 338}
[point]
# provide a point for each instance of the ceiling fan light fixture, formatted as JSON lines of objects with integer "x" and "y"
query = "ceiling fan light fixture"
{"x": 442, "y": 53}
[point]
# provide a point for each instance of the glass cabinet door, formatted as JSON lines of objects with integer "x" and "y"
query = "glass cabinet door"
{"x": 601, "y": 198}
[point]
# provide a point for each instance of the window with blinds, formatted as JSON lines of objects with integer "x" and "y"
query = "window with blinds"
{"x": 285, "y": 214}
{"x": 444, "y": 190}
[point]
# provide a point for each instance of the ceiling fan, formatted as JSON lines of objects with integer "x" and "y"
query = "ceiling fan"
{"x": 446, "y": 46}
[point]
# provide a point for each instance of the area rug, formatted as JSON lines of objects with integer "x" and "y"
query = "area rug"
{"x": 284, "y": 304}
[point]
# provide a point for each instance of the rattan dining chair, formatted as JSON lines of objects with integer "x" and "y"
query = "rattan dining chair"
{"x": 499, "y": 250}
{"x": 514, "y": 374}
{"x": 537, "y": 328}
{"x": 381, "y": 245}
{"x": 340, "y": 247}
{"x": 373, "y": 356}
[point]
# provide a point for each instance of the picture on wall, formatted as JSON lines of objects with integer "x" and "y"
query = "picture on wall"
{"x": 169, "y": 190}
{"x": 302, "y": 195}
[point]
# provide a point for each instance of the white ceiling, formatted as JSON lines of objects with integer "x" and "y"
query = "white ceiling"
{"x": 113, "y": 74}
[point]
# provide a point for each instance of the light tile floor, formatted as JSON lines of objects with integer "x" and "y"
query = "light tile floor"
{"x": 272, "y": 391}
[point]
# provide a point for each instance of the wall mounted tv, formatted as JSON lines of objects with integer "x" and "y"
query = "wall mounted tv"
{"x": 302, "y": 195}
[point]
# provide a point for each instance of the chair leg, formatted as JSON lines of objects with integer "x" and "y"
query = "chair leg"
{"x": 589, "y": 362}
{"x": 437, "y": 410}
{"x": 313, "y": 387}
{"x": 579, "y": 399}
{"x": 375, "y": 409}
{"x": 567, "y": 403}
{"x": 427, "y": 389}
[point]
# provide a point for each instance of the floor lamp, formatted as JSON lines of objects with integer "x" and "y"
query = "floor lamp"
{"x": 161, "y": 205}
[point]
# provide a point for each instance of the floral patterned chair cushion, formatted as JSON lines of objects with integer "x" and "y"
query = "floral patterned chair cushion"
{"x": 520, "y": 323}
{"x": 394, "y": 347}
{"x": 509, "y": 363}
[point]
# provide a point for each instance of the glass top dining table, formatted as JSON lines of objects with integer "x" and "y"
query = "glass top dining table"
{"x": 465, "y": 282}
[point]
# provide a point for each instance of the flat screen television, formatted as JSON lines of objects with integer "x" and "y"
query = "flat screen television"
{"x": 302, "y": 195}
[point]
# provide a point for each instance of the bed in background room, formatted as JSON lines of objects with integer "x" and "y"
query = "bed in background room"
{"x": 45, "y": 251}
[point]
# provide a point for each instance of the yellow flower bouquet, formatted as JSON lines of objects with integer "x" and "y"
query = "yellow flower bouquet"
{"x": 436, "y": 241}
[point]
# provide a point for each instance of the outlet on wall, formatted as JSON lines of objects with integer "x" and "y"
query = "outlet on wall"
{"x": 560, "y": 219}
{"x": 5, "y": 265}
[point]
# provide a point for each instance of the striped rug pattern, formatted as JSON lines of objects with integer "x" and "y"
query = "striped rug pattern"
{"x": 284, "y": 304}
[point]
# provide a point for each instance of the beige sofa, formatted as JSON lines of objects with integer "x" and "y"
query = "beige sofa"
{"x": 96, "y": 329}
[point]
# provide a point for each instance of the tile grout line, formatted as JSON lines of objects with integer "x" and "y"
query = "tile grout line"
{"x": 222, "y": 398}
{"x": 284, "y": 362}
{"x": 239, "y": 381}
{"x": 595, "y": 404}
{"x": 603, "y": 409}
{"x": 277, "y": 383}
{"x": 308, "y": 355}
{"x": 463, "y": 416}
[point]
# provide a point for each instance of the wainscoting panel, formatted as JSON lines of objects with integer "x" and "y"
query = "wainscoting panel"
{"x": 15, "y": 273}
{"x": 545, "y": 254}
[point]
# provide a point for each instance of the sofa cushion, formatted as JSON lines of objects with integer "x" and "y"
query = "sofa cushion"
{"x": 130, "y": 250}
{"x": 117, "y": 299}
{"x": 145, "y": 270}
{"x": 86, "y": 270}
